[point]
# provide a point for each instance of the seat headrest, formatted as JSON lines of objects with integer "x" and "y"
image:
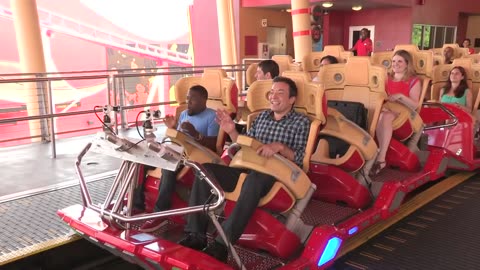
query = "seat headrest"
{"x": 257, "y": 95}
{"x": 212, "y": 80}
{"x": 422, "y": 60}
{"x": 357, "y": 70}
{"x": 442, "y": 72}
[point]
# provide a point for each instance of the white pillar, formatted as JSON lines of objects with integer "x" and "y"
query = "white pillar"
{"x": 30, "y": 50}
{"x": 302, "y": 38}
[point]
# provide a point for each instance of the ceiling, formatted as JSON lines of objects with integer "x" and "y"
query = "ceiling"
{"x": 347, "y": 4}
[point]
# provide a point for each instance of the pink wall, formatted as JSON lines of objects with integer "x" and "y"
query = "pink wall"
{"x": 443, "y": 12}
{"x": 392, "y": 26}
{"x": 9, "y": 50}
{"x": 386, "y": 37}
{"x": 206, "y": 43}
{"x": 333, "y": 25}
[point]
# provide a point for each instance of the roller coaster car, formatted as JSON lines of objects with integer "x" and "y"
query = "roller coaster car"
{"x": 312, "y": 211}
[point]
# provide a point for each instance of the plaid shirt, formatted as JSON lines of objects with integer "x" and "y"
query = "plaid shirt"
{"x": 292, "y": 130}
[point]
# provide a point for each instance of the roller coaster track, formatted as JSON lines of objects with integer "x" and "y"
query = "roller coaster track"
{"x": 64, "y": 25}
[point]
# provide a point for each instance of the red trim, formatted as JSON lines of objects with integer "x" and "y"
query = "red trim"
{"x": 301, "y": 33}
{"x": 300, "y": 11}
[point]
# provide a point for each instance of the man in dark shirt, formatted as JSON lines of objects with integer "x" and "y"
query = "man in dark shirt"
{"x": 282, "y": 131}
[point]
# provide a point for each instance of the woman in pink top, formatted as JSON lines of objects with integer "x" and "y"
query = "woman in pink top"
{"x": 402, "y": 86}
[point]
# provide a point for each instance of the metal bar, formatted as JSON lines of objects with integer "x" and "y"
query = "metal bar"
{"x": 450, "y": 113}
{"x": 89, "y": 77}
{"x": 87, "y": 200}
{"x": 115, "y": 102}
{"x": 123, "y": 70}
{"x": 52, "y": 120}
{"x": 131, "y": 189}
{"x": 123, "y": 113}
{"x": 216, "y": 189}
{"x": 116, "y": 182}
{"x": 124, "y": 187}
{"x": 221, "y": 232}
{"x": 46, "y": 116}
{"x": 21, "y": 138}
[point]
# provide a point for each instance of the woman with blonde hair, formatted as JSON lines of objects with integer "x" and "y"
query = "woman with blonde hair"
{"x": 403, "y": 86}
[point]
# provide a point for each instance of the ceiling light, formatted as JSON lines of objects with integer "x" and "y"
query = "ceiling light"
{"x": 327, "y": 4}
{"x": 357, "y": 8}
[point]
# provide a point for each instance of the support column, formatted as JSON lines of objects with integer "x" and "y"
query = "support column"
{"x": 302, "y": 38}
{"x": 30, "y": 50}
{"x": 226, "y": 32}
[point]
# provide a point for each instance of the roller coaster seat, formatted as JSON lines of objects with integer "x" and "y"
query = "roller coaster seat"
{"x": 311, "y": 61}
{"x": 222, "y": 93}
{"x": 475, "y": 58}
{"x": 458, "y": 52}
{"x": 292, "y": 182}
{"x": 423, "y": 59}
{"x": 285, "y": 62}
{"x": 250, "y": 73}
{"x": 408, "y": 122}
{"x": 358, "y": 81}
{"x": 441, "y": 74}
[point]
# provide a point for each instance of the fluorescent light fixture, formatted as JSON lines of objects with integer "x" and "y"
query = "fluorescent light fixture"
{"x": 327, "y": 4}
{"x": 357, "y": 8}
{"x": 330, "y": 250}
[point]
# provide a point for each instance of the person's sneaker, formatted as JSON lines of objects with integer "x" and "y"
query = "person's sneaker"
{"x": 194, "y": 241}
{"x": 218, "y": 251}
{"x": 153, "y": 225}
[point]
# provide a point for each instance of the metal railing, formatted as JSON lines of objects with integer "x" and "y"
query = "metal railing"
{"x": 111, "y": 87}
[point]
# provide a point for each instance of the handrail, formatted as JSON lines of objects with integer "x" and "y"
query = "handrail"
{"x": 114, "y": 88}
{"x": 109, "y": 71}
{"x": 52, "y": 115}
{"x": 40, "y": 78}
{"x": 203, "y": 174}
{"x": 446, "y": 110}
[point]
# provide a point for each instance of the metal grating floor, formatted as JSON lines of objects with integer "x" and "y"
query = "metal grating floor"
{"x": 441, "y": 235}
{"x": 30, "y": 224}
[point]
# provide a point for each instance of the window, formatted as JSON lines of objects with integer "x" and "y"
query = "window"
{"x": 432, "y": 36}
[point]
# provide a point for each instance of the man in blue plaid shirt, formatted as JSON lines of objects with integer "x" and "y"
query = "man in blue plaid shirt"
{"x": 282, "y": 131}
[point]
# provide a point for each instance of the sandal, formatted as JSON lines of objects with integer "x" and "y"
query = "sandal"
{"x": 377, "y": 168}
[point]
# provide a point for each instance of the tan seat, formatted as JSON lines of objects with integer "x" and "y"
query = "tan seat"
{"x": 476, "y": 85}
{"x": 311, "y": 61}
{"x": 409, "y": 124}
{"x": 475, "y": 58}
{"x": 458, "y": 52}
{"x": 285, "y": 62}
{"x": 250, "y": 73}
{"x": 441, "y": 74}
{"x": 222, "y": 93}
{"x": 292, "y": 182}
{"x": 359, "y": 81}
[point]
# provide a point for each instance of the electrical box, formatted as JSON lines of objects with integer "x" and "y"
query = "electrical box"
{"x": 263, "y": 50}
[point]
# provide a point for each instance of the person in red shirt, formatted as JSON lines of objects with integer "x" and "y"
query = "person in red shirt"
{"x": 466, "y": 44}
{"x": 364, "y": 45}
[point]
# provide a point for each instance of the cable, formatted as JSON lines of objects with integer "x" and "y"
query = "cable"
{"x": 136, "y": 124}
{"x": 124, "y": 150}
{"x": 101, "y": 121}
